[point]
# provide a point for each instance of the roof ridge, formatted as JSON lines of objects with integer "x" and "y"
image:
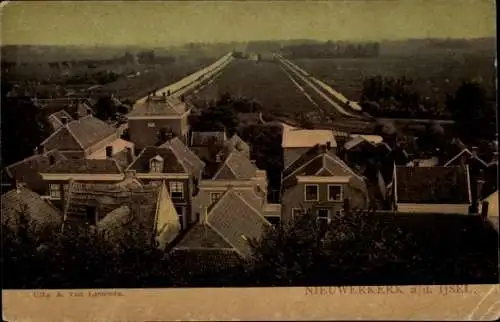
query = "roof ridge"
{"x": 253, "y": 208}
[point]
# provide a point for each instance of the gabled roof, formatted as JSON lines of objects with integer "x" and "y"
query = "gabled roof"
{"x": 233, "y": 223}
{"x": 43, "y": 218}
{"x": 432, "y": 185}
{"x": 236, "y": 166}
{"x": 56, "y": 119}
{"x": 189, "y": 158}
{"x": 28, "y": 170}
{"x": 357, "y": 140}
{"x": 85, "y": 166}
{"x": 237, "y": 143}
{"x": 465, "y": 151}
{"x": 172, "y": 162}
{"x": 80, "y": 134}
{"x": 205, "y": 138}
{"x": 160, "y": 106}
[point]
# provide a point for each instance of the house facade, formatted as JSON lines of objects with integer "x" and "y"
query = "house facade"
{"x": 173, "y": 164}
{"x": 158, "y": 116}
{"x": 322, "y": 180}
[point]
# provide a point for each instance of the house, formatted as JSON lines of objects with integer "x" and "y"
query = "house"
{"x": 58, "y": 176}
{"x": 178, "y": 167}
{"x": 297, "y": 141}
{"x": 77, "y": 108}
{"x": 119, "y": 208}
{"x": 224, "y": 233}
{"x": 239, "y": 173}
{"x": 207, "y": 144}
{"x": 42, "y": 218}
{"x": 80, "y": 138}
{"x": 358, "y": 148}
{"x": 320, "y": 178}
{"x": 27, "y": 172}
{"x": 156, "y": 115}
{"x": 435, "y": 189}
{"x": 56, "y": 119}
{"x": 120, "y": 150}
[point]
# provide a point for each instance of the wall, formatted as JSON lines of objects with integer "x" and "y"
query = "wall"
{"x": 142, "y": 135}
{"x": 167, "y": 224}
{"x": 294, "y": 198}
{"x": 434, "y": 208}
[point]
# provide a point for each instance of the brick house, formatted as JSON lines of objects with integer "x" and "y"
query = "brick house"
{"x": 156, "y": 115}
{"x": 27, "y": 172}
{"x": 59, "y": 176}
{"x": 178, "y": 167}
{"x": 80, "y": 138}
{"x": 223, "y": 235}
{"x": 435, "y": 189}
{"x": 319, "y": 177}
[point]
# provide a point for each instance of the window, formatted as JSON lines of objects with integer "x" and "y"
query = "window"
{"x": 156, "y": 166}
{"x": 177, "y": 190}
{"x": 297, "y": 212}
{"x": 180, "y": 215}
{"x": 91, "y": 215}
{"x": 334, "y": 192}
{"x": 311, "y": 192}
{"x": 151, "y": 124}
{"x": 214, "y": 196}
{"x": 55, "y": 191}
{"x": 323, "y": 213}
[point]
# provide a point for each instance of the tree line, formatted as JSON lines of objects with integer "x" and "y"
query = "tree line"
{"x": 354, "y": 248}
{"x": 332, "y": 49}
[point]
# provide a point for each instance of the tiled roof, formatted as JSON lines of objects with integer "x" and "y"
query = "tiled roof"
{"x": 237, "y": 143}
{"x": 357, "y": 140}
{"x": 237, "y": 222}
{"x": 171, "y": 161}
{"x": 43, "y": 217}
{"x": 85, "y": 166}
{"x": 28, "y": 170}
{"x": 118, "y": 146}
{"x": 432, "y": 185}
{"x": 56, "y": 119}
{"x": 202, "y": 236}
{"x": 470, "y": 156}
{"x": 81, "y": 134}
{"x": 189, "y": 158}
{"x": 204, "y": 260}
{"x": 236, "y": 166}
{"x": 111, "y": 199}
{"x": 160, "y": 105}
{"x": 205, "y": 138}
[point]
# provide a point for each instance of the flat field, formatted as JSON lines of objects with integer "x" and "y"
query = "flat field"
{"x": 265, "y": 82}
{"x": 433, "y": 75}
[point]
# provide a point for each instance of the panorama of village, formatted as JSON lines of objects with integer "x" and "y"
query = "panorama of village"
{"x": 250, "y": 163}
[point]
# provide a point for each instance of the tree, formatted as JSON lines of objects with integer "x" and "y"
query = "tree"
{"x": 24, "y": 127}
{"x": 474, "y": 113}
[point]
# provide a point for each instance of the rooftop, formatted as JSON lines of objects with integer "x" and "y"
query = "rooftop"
{"x": 189, "y": 158}
{"x": 85, "y": 166}
{"x": 302, "y": 138}
{"x": 432, "y": 185}
{"x": 160, "y": 106}
{"x": 172, "y": 162}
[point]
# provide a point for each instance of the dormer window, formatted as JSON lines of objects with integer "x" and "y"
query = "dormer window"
{"x": 156, "y": 164}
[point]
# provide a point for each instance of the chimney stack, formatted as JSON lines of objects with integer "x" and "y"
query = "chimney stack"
{"x": 35, "y": 150}
{"x": 64, "y": 120}
{"x": 473, "y": 149}
{"x": 495, "y": 157}
{"x": 484, "y": 209}
{"x": 109, "y": 152}
{"x": 164, "y": 94}
{"x": 52, "y": 160}
{"x": 89, "y": 111}
{"x": 328, "y": 145}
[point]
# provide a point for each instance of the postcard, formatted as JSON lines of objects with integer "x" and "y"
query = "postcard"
{"x": 249, "y": 160}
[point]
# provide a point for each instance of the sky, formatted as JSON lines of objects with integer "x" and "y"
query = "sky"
{"x": 175, "y": 22}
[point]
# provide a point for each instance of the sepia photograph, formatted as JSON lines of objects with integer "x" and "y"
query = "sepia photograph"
{"x": 338, "y": 146}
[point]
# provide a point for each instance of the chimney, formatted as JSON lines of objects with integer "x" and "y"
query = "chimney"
{"x": 495, "y": 157}
{"x": 64, "y": 120}
{"x": 479, "y": 188}
{"x": 164, "y": 94}
{"x": 89, "y": 111}
{"x": 109, "y": 152}
{"x": 52, "y": 160}
{"x": 35, "y": 151}
{"x": 328, "y": 145}
{"x": 416, "y": 163}
{"x": 473, "y": 149}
